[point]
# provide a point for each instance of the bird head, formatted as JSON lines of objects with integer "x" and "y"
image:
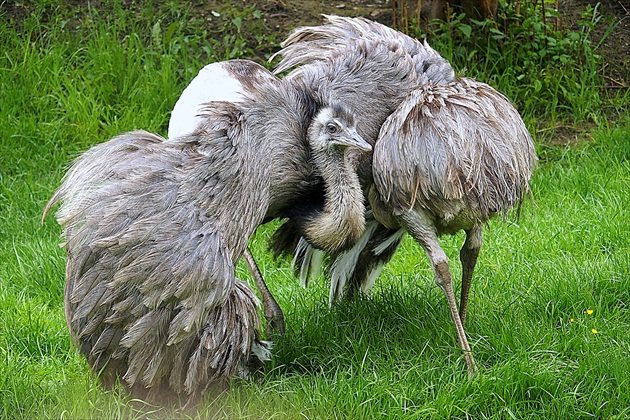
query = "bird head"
{"x": 334, "y": 128}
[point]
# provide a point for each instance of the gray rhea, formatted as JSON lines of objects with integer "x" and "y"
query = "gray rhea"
{"x": 229, "y": 81}
{"x": 153, "y": 229}
{"x": 335, "y": 226}
{"x": 449, "y": 153}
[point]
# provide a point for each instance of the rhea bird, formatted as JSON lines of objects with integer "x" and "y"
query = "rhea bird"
{"x": 230, "y": 81}
{"x": 153, "y": 228}
{"x": 449, "y": 153}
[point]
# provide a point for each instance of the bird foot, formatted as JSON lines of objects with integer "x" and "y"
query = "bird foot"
{"x": 473, "y": 370}
{"x": 275, "y": 322}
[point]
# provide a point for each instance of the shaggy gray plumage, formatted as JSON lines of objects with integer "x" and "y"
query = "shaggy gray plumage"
{"x": 353, "y": 59}
{"x": 460, "y": 151}
{"x": 153, "y": 229}
{"x": 449, "y": 153}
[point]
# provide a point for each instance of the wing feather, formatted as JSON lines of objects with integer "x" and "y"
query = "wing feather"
{"x": 148, "y": 227}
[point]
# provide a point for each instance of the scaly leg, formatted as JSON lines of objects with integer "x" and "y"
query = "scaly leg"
{"x": 272, "y": 311}
{"x": 423, "y": 230}
{"x": 468, "y": 257}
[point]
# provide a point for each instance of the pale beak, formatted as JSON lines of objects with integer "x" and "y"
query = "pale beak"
{"x": 355, "y": 140}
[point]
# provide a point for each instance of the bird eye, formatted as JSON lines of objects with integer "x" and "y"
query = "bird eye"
{"x": 331, "y": 128}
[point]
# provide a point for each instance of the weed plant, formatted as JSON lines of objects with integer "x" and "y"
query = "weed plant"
{"x": 549, "y": 311}
{"x": 551, "y": 73}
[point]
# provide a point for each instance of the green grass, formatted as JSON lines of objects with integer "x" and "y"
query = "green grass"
{"x": 72, "y": 78}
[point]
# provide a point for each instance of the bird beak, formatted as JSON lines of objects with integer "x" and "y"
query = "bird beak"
{"x": 355, "y": 140}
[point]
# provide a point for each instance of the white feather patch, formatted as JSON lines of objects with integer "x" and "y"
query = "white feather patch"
{"x": 392, "y": 239}
{"x": 371, "y": 278}
{"x": 213, "y": 83}
{"x": 311, "y": 262}
{"x": 262, "y": 350}
{"x": 345, "y": 263}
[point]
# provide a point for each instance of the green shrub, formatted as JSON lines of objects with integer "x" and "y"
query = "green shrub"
{"x": 549, "y": 72}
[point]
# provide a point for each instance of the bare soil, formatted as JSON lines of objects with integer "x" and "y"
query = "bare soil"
{"x": 615, "y": 47}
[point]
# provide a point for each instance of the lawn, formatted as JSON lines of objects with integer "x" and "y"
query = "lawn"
{"x": 549, "y": 315}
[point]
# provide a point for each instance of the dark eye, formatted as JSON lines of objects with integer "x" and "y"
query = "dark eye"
{"x": 332, "y": 128}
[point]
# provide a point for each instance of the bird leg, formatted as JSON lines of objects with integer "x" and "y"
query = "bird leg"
{"x": 272, "y": 311}
{"x": 421, "y": 227}
{"x": 444, "y": 280}
{"x": 468, "y": 257}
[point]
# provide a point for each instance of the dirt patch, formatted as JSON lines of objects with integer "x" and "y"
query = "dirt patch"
{"x": 285, "y": 15}
{"x": 564, "y": 135}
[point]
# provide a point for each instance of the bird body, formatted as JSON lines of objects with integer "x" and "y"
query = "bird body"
{"x": 154, "y": 227}
{"x": 448, "y": 153}
{"x": 458, "y": 150}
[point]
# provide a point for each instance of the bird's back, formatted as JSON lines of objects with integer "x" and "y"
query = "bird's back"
{"x": 153, "y": 228}
{"x": 340, "y": 35}
{"x": 229, "y": 81}
{"x": 454, "y": 148}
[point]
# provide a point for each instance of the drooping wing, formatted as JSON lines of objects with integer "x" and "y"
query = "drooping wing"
{"x": 153, "y": 229}
{"x": 462, "y": 141}
{"x": 344, "y": 36}
{"x": 226, "y": 81}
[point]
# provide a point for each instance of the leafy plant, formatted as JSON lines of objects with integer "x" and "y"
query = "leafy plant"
{"x": 238, "y": 33}
{"x": 549, "y": 72}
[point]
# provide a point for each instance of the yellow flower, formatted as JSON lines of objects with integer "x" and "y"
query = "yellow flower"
{"x": 593, "y": 330}
{"x": 571, "y": 319}
{"x": 589, "y": 311}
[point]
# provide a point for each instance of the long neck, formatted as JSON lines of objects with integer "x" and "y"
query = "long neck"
{"x": 342, "y": 220}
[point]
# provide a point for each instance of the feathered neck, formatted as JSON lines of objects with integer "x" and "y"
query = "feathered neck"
{"x": 342, "y": 219}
